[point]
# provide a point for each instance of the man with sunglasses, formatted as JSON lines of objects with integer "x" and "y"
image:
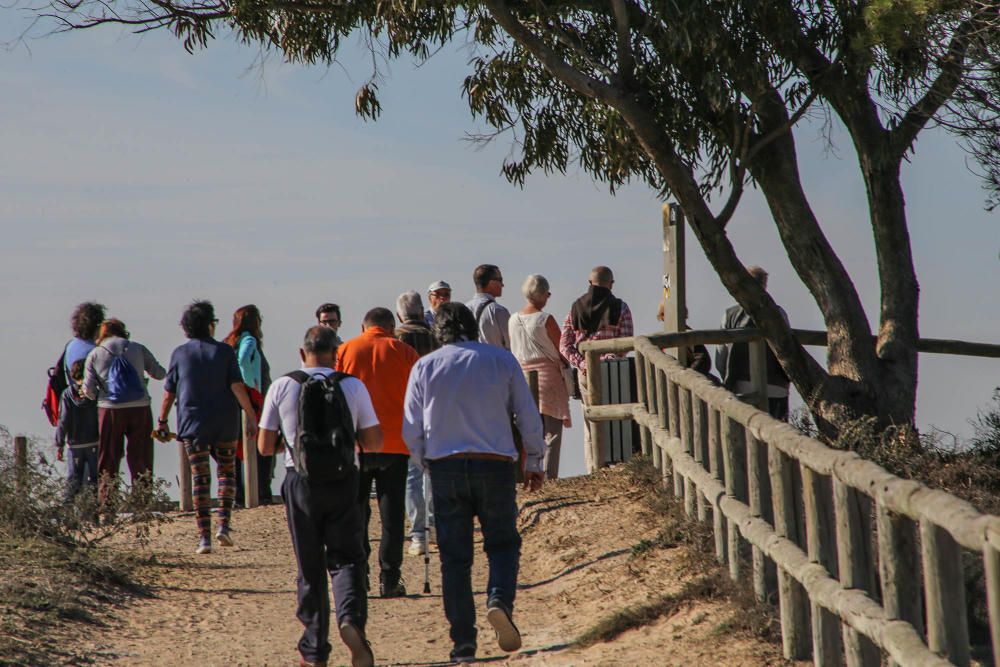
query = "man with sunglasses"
{"x": 328, "y": 315}
{"x": 491, "y": 317}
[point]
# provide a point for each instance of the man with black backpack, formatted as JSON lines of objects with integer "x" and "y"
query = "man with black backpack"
{"x": 322, "y": 415}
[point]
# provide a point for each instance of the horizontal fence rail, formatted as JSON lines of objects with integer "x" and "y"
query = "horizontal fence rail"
{"x": 864, "y": 565}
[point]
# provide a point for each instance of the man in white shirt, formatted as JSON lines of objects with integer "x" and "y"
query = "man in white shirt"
{"x": 324, "y": 519}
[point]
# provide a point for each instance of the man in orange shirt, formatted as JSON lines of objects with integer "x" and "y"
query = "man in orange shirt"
{"x": 383, "y": 363}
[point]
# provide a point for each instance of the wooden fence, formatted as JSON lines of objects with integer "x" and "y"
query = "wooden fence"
{"x": 865, "y": 565}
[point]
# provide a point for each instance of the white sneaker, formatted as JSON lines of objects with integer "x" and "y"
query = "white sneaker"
{"x": 417, "y": 548}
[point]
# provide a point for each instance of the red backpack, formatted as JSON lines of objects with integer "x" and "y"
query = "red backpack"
{"x": 53, "y": 390}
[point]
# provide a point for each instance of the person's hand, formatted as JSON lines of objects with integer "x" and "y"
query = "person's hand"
{"x": 59, "y": 454}
{"x": 533, "y": 480}
{"x": 251, "y": 429}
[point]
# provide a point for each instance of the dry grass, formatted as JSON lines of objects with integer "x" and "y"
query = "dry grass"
{"x": 752, "y": 619}
{"x": 57, "y": 582}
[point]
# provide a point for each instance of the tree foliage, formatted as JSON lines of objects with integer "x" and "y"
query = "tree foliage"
{"x": 697, "y": 99}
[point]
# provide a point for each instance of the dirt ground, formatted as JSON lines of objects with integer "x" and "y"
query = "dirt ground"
{"x": 590, "y": 550}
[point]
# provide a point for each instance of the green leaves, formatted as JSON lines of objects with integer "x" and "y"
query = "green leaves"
{"x": 699, "y": 70}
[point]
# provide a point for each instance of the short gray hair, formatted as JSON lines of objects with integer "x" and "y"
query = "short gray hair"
{"x": 535, "y": 285}
{"x": 409, "y": 305}
{"x": 320, "y": 339}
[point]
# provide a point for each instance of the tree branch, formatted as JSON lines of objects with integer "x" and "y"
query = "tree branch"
{"x": 944, "y": 86}
{"x": 626, "y": 59}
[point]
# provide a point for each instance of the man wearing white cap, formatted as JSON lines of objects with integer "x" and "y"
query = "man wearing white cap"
{"x": 438, "y": 293}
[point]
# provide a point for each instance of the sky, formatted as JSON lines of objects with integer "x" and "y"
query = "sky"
{"x": 143, "y": 177}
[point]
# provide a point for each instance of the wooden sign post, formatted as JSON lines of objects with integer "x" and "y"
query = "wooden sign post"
{"x": 674, "y": 281}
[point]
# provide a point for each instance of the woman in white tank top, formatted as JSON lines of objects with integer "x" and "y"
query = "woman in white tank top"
{"x": 534, "y": 340}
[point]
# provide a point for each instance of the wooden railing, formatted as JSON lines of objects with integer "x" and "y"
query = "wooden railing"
{"x": 865, "y": 565}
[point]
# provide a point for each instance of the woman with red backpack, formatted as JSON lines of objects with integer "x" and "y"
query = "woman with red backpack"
{"x": 246, "y": 339}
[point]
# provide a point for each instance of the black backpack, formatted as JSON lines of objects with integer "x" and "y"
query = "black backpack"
{"x": 325, "y": 443}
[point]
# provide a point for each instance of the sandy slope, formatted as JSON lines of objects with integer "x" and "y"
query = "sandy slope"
{"x": 236, "y": 606}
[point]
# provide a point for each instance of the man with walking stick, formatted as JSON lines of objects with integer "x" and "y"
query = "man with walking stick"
{"x": 457, "y": 422}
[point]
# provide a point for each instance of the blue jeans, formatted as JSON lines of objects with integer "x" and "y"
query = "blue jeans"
{"x": 463, "y": 489}
{"x": 78, "y": 460}
{"x": 417, "y": 502}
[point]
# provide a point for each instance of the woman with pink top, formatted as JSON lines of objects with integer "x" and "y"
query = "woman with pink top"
{"x": 534, "y": 340}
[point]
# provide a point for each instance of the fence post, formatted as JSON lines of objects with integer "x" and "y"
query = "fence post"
{"x": 947, "y": 625}
{"x": 699, "y": 422}
{"x": 899, "y": 568}
{"x": 765, "y": 579}
{"x": 662, "y": 410}
{"x": 673, "y": 426}
{"x": 853, "y": 511}
{"x": 641, "y": 365}
{"x": 690, "y": 491}
{"x": 792, "y": 598}
{"x": 821, "y": 545}
{"x": 758, "y": 373}
{"x": 719, "y": 521}
{"x": 251, "y": 490}
{"x": 734, "y": 463}
{"x": 185, "y": 501}
{"x": 653, "y": 398}
{"x": 20, "y": 463}
{"x": 594, "y": 393}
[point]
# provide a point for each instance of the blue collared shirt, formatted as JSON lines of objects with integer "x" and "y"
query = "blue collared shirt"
{"x": 460, "y": 399}
{"x": 493, "y": 320}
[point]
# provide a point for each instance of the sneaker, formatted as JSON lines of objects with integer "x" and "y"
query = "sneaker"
{"x": 204, "y": 545}
{"x": 391, "y": 586}
{"x": 508, "y": 636}
{"x": 464, "y": 654}
{"x": 223, "y": 536}
{"x": 361, "y": 650}
{"x": 417, "y": 548}
{"x": 311, "y": 663}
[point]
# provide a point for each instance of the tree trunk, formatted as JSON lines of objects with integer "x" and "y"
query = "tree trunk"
{"x": 898, "y": 329}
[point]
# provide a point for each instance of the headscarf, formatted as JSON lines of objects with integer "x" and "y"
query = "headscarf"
{"x": 596, "y": 309}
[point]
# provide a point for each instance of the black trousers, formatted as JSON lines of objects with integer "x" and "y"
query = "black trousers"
{"x": 327, "y": 531}
{"x": 388, "y": 471}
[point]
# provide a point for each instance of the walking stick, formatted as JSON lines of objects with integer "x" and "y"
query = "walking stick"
{"x": 427, "y": 536}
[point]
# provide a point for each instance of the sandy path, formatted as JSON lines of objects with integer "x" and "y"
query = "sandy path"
{"x": 237, "y": 606}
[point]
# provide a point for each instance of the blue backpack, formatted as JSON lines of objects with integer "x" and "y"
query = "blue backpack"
{"x": 123, "y": 384}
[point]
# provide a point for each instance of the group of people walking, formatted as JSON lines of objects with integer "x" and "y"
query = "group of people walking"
{"x": 436, "y": 401}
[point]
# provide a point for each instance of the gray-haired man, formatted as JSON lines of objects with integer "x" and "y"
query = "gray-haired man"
{"x": 415, "y": 332}
{"x": 325, "y": 521}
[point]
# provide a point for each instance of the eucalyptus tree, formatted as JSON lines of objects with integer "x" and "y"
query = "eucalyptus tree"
{"x": 698, "y": 99}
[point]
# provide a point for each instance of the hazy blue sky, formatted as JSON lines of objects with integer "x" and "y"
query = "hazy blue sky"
{"x": 143, "y": 177}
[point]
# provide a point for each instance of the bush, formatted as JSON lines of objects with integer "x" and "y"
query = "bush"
{"x": 54, "y": 569}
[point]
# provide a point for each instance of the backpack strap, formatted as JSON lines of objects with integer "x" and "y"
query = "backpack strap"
{"x": 481, "y": 308}
{"x": 299, "y": 376}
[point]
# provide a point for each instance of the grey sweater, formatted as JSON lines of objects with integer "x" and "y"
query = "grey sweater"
{"x": 95, "y": 375}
